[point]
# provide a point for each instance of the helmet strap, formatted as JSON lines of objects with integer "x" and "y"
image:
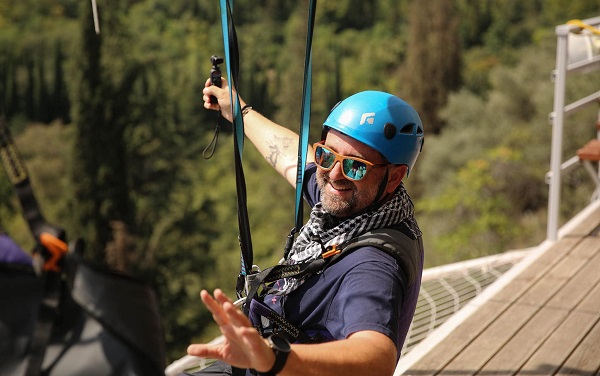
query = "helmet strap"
{"x": 378, "y": 201}
{"x": 382, "y": 186}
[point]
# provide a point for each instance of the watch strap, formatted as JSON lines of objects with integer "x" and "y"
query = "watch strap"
{"x": 280, "y": 359}
{"x": 281, "y": 355}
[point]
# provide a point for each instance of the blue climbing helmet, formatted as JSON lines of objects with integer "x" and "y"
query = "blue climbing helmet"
{"x": 382, "y": 121}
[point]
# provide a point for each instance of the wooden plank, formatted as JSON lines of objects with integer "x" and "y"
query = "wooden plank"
{"x": 541, "y": 291}
{"x": 550, "y": 258}
{"x": 525, "y": 342}
{"x": 583, "y": 281}
{"x": 512, "y": 291}
{"x": 452, "y": 345}
{"x": 588, "y": 226}
{"x": 585, "y": 359}
{"x": 549, "y": 357}
{"x": 588, "y": 248}
{"x": 557, "y": 265}
{"x": 491, "y": 340}
{"x": 591, "y": 303}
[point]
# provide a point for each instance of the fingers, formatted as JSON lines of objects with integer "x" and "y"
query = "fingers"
{"x": 203, "y": 351}
{"x": 215, "y": 308}
{"x": 211, "y": 91}
{"x": 243, "y": 346}
{"x": 223, "y": 310}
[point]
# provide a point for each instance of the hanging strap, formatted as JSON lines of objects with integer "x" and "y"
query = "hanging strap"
{"x": 232, "y": 63}
{"x": 304, "y": 127}
{"x": 231, "y": 49}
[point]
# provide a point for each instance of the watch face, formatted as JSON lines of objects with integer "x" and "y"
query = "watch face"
{"x": 280, "y": 343}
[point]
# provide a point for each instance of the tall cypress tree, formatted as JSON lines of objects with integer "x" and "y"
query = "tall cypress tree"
{"x": 99, "y": 163}
{"x": 433, "y": 58}
{"x": 88, "y": 117}
{"x": 59, "y": 99}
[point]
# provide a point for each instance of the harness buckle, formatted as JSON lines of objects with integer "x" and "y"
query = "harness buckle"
{"x": 332, "y": 250}
{"x": 57, "y": 249}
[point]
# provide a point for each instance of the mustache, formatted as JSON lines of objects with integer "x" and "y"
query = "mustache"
{"x": 338, "y": 184}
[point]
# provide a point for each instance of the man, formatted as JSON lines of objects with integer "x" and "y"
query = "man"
{"x": 361, "y": 306}
{"x": 11, "y": 253}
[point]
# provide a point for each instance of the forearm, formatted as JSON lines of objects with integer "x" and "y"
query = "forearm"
{"x": 277, "y": 144}
{"x": 358, "y": 355}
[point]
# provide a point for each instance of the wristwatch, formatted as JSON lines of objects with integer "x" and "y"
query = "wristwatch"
{"x": 281, "y": 348}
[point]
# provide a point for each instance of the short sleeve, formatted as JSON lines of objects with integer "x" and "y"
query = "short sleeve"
{"x": 370, "y": 296}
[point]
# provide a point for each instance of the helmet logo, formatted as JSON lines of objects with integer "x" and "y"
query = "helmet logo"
{"x": 367, "y": 117}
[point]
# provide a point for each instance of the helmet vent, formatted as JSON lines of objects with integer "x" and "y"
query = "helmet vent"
{"x": 408, "y": 128}
{"x": 389, "y": 130}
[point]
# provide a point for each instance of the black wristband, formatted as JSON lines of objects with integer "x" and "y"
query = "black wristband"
{"x": 246, "y": 109}
{"x": 281, "y": 348}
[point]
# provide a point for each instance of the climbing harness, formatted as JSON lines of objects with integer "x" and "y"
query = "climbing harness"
{"x": 396, "y": 242}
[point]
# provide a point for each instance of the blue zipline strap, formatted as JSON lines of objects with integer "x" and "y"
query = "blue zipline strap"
{"x": 305, "y": 115}
{"x": 229, "y": 33}
{"x": 232, "y": 63}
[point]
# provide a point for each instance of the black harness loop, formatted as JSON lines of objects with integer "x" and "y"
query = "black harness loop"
{"x": 50, "y": 273}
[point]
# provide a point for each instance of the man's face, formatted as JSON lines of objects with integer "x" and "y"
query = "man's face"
{"x": 342, "y": 197}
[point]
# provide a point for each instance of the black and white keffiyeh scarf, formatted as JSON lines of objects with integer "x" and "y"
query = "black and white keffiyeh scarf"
{"x": 316, "y": 236}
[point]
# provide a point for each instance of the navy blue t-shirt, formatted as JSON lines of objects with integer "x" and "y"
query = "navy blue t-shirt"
{"x": 365, "y": 290}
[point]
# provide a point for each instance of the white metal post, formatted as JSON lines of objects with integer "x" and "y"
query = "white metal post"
{"x": 557, "y": 120}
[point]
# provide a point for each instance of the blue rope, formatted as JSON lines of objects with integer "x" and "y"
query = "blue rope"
{"x": 235, "y": 105}
{"x": 305, "y": 115}
{"x": 232, "y": 64}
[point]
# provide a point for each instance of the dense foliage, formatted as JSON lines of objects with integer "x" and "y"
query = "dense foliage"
{"x": 112, "y": 127}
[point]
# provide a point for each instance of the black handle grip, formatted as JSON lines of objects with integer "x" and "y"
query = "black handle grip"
{"x": 215, "y": 74}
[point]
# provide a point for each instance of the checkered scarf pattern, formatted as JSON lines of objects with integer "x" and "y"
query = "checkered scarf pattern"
{"x": 314, "y": 236}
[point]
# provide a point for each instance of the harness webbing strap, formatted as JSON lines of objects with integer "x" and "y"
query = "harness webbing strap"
{"x": 232, "y": 52}
{"x": 232, "y": 64}
{"x": 305, "y": 115}
{"x": 231, "y": 49}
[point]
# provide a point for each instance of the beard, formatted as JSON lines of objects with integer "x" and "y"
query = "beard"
{"x": 340, "y": 207}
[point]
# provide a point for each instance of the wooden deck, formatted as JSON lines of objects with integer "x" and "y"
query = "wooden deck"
{"x": 544, "y": 321}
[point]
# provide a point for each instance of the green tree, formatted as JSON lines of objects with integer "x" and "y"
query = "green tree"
{"x": 433, "y": 59}
{"x": 100, "y": 110}
{"x": 473, "y": 225}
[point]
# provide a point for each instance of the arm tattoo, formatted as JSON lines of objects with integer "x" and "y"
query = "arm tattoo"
{"x": 277, "y": 149}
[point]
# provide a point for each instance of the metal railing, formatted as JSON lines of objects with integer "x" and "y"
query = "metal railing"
{"x": 566, "y": 65}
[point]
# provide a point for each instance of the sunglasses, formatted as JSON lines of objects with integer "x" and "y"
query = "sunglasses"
{"x": 353, "y": 168}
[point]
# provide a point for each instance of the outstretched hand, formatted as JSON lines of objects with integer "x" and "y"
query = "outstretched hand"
{"x": 243, "y": 346}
